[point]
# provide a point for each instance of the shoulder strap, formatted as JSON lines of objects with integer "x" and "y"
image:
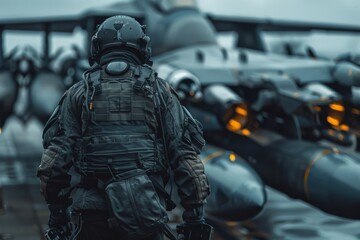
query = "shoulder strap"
{"x": 170, "y": 204}
{"x": 142, "y": 74}
{"x": 93, "y": 83}
{"x": 157, "y": 97}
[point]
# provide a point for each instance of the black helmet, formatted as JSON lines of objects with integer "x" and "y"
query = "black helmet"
{"x": 118, "y": 32}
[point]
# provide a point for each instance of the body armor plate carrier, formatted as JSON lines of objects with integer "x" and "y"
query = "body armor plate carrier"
{"x": 120, "y": 132}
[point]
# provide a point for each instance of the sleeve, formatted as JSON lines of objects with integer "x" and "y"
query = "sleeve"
{"x": 57, "y": 156}
{"x": 189, "y": 174}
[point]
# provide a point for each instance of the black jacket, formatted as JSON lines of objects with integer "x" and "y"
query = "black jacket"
{"x": 58, "y": 155}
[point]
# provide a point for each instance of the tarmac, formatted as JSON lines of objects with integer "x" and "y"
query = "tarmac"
{"x": 24, "y": 214}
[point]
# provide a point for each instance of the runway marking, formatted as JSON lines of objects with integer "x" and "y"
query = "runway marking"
{"x": 307, "y": 171}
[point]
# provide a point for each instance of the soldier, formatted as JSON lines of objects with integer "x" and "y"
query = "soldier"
{"x": 123, "y": 130}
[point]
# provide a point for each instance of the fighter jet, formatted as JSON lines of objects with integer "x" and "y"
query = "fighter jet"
{"x": 212, "y": 83}
{"x": 266, "y": 108}
{"x": 340, "y": 75}
{"x": 238, "y": 197}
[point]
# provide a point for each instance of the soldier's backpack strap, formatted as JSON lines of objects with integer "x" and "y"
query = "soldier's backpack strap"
{"x": 145, "y": 76}
{"x": 93, "y": 87}
{"x": 169, "y": 203}
{"x": 142, "y": 74}
{"x": 95, "y": 82}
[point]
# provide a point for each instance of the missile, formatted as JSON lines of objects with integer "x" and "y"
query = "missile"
{"x": 237, "y": 192}
{"x": 8, "y": 94}
{"x": 69, "y": 63}
{"x": 45, "y": 93}
{"x": 320, "y": 175}
{"x": 347, "y": 74}
{"x": 186, "y": 84}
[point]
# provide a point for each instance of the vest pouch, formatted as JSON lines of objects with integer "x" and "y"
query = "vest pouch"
{"x": 134, "y": 204}
{"x": 193, "y": 132}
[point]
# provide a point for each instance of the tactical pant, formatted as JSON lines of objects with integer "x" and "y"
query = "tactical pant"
{"x": 95, "y": 227}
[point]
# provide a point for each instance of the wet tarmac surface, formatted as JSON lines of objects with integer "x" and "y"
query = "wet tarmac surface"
{"x": 286, "y": 218}
{"x": 25, "y": 214}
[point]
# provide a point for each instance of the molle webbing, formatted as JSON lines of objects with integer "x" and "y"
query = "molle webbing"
{"x": 117, "y": 102}
{"x": 122, "y": 99}
{"x": 121, "y": 133}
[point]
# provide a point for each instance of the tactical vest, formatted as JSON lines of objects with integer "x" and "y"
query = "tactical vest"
{"x": 120, "y": 132}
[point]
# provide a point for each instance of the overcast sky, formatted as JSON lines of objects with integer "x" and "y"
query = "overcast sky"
{"x": 323, "y": 11}
{"x": 338, "y": 11}
{"x": 23, "y": 8}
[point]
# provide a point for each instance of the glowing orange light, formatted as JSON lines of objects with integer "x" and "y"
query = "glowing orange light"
{"x": 233, "y": 125}
{"x": 333, "y": 121}
{"x": 246, "y": 132}
{"x": 344, "y": 127}
{"x": 232, "y": 157}
{"x": 337, "y": 107}
{"x": 241, "y": 111}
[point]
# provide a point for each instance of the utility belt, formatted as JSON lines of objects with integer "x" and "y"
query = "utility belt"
{"x": 94, "y": 158}
{"x": 93, "y": 182}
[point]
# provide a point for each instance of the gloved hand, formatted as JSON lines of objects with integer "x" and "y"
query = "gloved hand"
{"x": 193, "y": 223}
{"x": 194, "y": 215}
{"x": 58, "y": 216}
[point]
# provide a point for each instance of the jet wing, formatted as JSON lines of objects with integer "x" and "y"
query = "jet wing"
{"x": 67, "y": 23}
